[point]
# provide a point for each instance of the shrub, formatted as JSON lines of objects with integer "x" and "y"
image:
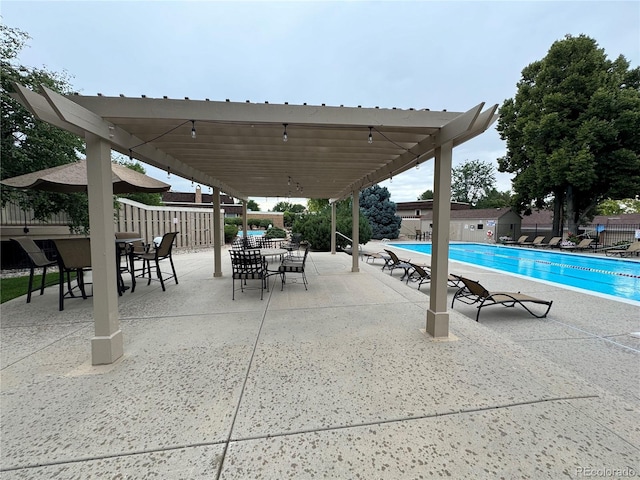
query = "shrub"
{"x": 315, "y": 228}
{"x": 230, "y": 232}
{"x": 275, "y": 232}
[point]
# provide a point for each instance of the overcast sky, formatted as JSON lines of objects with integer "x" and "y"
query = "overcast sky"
{"x": 437, "y": 55}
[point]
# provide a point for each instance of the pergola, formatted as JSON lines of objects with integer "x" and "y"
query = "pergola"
{"x": 264, "y": 150}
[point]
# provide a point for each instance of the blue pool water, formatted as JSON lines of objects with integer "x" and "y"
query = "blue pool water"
{"x": 252, "y": 233}
{"x": 610, "y": 276}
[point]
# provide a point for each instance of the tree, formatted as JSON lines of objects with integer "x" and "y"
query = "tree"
{"x": 253, "y": 206}
{"x": 288, "y": 207}
{"x": 315, "y": 205}
{"x": 381, "y": 212}
{"x": 145, "y": 198}
{"x": 618, "y": 207}
{"x": 571, "y": 131}
{"x": 495, "y": 199}
{"x": 28, "y": 144}
{"x": 426, "y": 195}
{"x": 471, "y": 181}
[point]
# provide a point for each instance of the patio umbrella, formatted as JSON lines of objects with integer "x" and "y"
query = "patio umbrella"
{"x": 72, "y": 177}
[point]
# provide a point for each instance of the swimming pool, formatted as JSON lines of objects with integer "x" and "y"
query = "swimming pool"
{"x": 619, "y": 278}
{"x": 252, "y": 233}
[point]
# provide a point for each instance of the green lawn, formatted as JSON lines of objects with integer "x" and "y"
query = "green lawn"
{"x": 11, "y": 288}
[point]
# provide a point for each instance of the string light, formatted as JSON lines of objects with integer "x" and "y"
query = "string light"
{"x": 130, "y": 155}
{"x": 285, "y": 137}
{"x": 193, "y": 129}
{"x": 370, "y": 135}
{"x": 168, "y": 172}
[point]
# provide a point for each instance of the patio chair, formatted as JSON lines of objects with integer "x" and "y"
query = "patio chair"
{"x": 632, "y": 249}
{"x": 293, "y": 245}
{"x": 394, "y": 262}
{"x": 585, "y": 244}
{"x": 74, "y": 256}
{"x": 37, "y": 259}
{"x": 472, "y": 292}
{"x": 292, "y": 265}
{"x": 161, "y": 252}
{"x": 248, "y": 265}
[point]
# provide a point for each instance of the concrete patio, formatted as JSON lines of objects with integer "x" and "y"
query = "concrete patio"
{"x": 335, "y": 382}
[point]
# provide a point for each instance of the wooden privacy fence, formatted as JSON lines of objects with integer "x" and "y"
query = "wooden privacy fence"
{"x": 194, "y": 225}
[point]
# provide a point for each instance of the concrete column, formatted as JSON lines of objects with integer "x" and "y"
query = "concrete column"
{"x": 437, "y": 315}
{"x": 217, "y": 232}
{"x": 107, "y": 344}
{"x": 355, "y": 231}
{"x": 333, "y": 228}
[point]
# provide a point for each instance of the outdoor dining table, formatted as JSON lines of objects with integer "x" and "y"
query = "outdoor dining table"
{"x": 267, "y": 253}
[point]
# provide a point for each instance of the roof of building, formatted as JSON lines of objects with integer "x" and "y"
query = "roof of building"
{"x": 545, "y": 217}
{"x": 474, "y": 214}
{"x": 428, "y": 205}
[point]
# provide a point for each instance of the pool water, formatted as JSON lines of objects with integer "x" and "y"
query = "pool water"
{"x": 617, "y": 277}
{"x": 252, "y": 233}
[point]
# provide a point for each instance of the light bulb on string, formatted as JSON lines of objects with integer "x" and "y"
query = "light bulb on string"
{"x": 193, "y": 129}
{"x": 370, "y": 135}
{"x": 285, "y": 137}
{"x": 168, "y": 172}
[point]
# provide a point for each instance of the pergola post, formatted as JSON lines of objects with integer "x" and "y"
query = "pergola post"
{"x": 244, "y": 219}
{"x": 333, "y": 228}
{"x": 437, "y": 315}
{"x": 107, "y": 344}
{"x": 355, "y": 231}
{"x": 217, "y": 243}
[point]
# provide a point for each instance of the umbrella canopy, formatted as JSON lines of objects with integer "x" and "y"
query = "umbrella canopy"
{"x": 72, "y": 177}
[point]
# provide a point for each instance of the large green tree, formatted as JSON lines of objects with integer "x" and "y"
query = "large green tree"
{"x": 572, "y": 131}
{"x": 381, "y": 212}
{"x": 28, "y": 144}
{"x": 472, "y": 181}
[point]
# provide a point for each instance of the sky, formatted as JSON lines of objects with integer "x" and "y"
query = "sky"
{"x": 449, "y": 55}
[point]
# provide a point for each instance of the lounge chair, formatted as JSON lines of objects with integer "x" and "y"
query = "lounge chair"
{"x": 394, "y": 262}
{"x": 553, "y": 243}
{"x": 472, "y": 292}
{"x": 372, "y": 256}
{"x": 536, "y": 242}
{"x": 520, "y": 241}
{"x": 585, "y": 244}
{"x": 422, "y": 274}
{"x": 632, "y": 249}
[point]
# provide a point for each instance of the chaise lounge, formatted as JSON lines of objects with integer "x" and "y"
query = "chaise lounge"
{"x": 472, "y": 292}
{"x": 632, "y": 249}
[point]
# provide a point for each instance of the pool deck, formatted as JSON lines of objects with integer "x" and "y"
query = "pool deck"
{"x": 339, "y": 381}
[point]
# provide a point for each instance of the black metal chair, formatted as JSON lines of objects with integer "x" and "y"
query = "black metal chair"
{"x": 37, "y": 259}
{"x": 248, "y": 265}
{"x": 292, "y": 265}
{"x": 161, "y": 252}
